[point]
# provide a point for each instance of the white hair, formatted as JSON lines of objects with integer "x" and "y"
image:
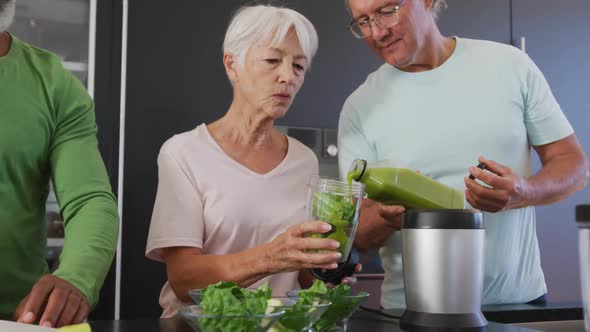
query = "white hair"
{"x": 437, "y": 7}
{"x": 252, "y": 25}
{"x": 7, "y": 9}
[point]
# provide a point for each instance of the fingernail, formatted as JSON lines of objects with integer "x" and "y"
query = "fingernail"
{"x": 335, "y": 244}
{"x": 29, "y": 316}
{"x": 337, "y": 255}
{"x": 46, "y": 324}
{"x": 326, "y": 227}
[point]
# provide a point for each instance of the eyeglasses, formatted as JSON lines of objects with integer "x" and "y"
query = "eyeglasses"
{"x": 385, "y": 18}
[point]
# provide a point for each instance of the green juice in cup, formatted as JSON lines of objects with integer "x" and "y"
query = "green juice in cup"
{"x": 337, "y": 203}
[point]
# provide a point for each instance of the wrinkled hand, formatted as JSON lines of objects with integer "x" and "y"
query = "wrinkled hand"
{"x": 290, "y": 251}
{"x": 350, "y": 280}
{"x": 376, "y": 224}
{"x": 54, "y": 302}
{"x": 508, "y": 189}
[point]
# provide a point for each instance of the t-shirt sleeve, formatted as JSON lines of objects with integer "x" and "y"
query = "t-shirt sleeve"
{"x": 544, "y": 120}
{"x": 352, "y": 140}
{"x": 177, "y": 218}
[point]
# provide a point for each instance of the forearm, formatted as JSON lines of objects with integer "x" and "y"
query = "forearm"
{"x": 89, "y": 246}
{"x": 558, "y": 179}
{"x": 195, "y": 270}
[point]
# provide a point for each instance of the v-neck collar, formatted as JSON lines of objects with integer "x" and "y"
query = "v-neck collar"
{"x": 269, "y": 174}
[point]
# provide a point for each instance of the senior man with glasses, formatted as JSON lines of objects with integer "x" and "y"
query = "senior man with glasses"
{"x": 441, "y": 105}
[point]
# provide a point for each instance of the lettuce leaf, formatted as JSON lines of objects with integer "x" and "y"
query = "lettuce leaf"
{"x": 229, "y": 299}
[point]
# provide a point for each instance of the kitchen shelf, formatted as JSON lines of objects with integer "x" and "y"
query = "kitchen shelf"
{"x": 75, "y": 66}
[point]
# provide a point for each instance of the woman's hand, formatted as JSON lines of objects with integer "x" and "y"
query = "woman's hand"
{"x": 292, "y": 250}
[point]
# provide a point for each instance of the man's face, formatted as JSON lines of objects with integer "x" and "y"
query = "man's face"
{"x": 6, "y": 14}
{"x": 400, "y": 44}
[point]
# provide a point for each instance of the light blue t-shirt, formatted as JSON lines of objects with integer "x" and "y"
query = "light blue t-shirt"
{"x": 488, "y": 99}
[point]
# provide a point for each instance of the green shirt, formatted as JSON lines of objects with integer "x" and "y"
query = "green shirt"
{"x": 48, "y": 131}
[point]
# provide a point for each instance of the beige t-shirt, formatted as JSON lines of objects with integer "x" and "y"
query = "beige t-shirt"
{"x": 207, "y": 200}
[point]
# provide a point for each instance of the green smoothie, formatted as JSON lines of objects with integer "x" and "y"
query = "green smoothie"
{"x": 402, "y": 186}
{"x": 339, "y": 211}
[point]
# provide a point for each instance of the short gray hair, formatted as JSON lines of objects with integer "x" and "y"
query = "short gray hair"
{"x": 255, "y": 24}
{"x": 437, "y": 7}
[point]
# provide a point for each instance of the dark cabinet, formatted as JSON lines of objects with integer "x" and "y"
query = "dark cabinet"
{"x": 478, "y": 19}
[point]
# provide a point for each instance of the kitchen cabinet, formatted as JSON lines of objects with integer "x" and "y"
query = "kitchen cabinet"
{"x": 478, "y": 19}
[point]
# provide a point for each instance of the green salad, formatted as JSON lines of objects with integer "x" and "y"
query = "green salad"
{"x": 343, "y": 303}
{"x": 297, "y": 316}
{"x": 337, "y": 210}
{"x": 229, "y": 299}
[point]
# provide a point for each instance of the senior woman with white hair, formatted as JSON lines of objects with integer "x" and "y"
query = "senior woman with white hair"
{"x": 231, "y": 197}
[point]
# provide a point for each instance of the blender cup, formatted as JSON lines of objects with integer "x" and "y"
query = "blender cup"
{"x": 583, "y": 219}
{"x": 338, "y": 203}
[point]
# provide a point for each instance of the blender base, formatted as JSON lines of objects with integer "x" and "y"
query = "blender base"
{"x": 422, "y": 321}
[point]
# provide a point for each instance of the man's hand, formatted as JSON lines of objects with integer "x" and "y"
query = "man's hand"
{"x": 54, "y": 302}
{"x": 349, "y": 280}
{"x": 376, "y": 224}
{"x": 508, "y": 189}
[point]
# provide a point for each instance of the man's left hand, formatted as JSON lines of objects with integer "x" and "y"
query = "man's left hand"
{"x": 54, "y": 302}
{"x": 350, "y": 280}
{"x": 507, "y": 189}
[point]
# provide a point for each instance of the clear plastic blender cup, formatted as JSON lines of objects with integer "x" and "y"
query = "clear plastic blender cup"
{"x": 337, "y": 203}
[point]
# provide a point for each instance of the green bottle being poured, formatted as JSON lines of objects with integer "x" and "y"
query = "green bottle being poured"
{"x": 403, "y": 186}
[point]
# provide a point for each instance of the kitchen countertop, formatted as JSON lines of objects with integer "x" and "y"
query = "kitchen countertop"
{"x": 520, "y": 313}
{"x": 369, "y": 321}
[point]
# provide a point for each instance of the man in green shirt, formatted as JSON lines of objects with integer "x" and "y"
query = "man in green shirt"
{"x": 48, "y": 131}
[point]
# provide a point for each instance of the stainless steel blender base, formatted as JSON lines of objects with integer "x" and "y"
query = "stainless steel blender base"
{"x": 422, "y": 321}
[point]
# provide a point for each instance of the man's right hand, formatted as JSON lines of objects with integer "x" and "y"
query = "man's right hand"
{"x": 376, "y": 224}
{"x": 54, "y": 302}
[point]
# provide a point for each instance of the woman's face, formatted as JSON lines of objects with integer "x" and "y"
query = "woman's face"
{"x": 399, "y": 45}
{"x": 271, "y": 76}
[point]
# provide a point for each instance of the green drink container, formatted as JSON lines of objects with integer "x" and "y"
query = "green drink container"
{"x": 338, "y": 204}
{"x": 403, "y": 186}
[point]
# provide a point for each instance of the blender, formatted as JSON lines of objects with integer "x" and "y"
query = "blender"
{"x": 443, "y": 266}
{"x": 337, "y": 203}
